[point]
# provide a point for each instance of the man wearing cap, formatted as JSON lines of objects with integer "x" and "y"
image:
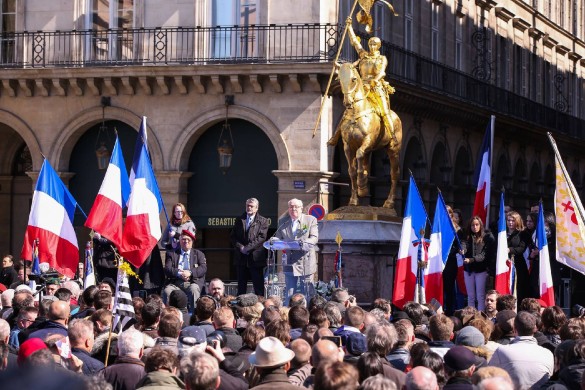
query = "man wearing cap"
{"x": 249, "y": 233}
{"x": 459, "y": 367}
{"x": 185, "y": 269}
{"x": 272, "y": 361}
{"x": 191, "y": 339}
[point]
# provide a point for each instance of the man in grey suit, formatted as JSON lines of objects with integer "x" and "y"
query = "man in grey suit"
{"x": 300, "y": 264}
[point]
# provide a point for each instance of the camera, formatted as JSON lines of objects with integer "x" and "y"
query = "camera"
{"x": 218, "y": 336}
{"x": 579, "y": 311}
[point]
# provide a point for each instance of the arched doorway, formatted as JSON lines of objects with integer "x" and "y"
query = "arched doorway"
{"x": 215, "y": 199}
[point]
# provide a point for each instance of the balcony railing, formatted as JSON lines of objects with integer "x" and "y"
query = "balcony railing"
{"x": 162, "y": 46}
{"x": 260, "y": 44}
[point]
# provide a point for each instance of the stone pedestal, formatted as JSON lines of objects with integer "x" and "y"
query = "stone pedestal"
{"x": 368, "y": 252}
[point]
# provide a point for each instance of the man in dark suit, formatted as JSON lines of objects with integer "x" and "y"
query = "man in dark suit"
{"x": 185, "y": 269}
{"x": 300, "y": 265}
{"x": 248, "y": 235}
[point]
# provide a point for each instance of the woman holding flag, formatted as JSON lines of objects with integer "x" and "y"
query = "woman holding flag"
{"x": 516, "y": 248}
{"x": 479, "y": 253}
{"x": 179, "y": 222}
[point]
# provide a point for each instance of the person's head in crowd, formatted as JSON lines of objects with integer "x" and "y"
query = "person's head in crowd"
{"x": 151, "y": 312}
{"x": 138, "y": 303}
{"x": 506, "y": 302}
{"x": 530, "y": 305}
{"x": 470, "y": 336}
{"x": 457, "y": 323}
{"x": 381, "y": 338}
{"x": 466, "y": 314}
{"x": 514, "y": 221}
{"x": 302, "y": 350}
{"x": 26, "y": 316}
{"x": 342, "y": 297}
{"x": 252, "y": 335}
{"x": 441, "y": 328}
{"x": 573, "y": 329}
{"x": 321, "y": 332}
{"x": 333, "y": 314}
{"x": 103, "y": 300}
{"x": 81, "y": 334}
{"x": 486, "y": 327}
{"x": 88, "y": 296}
{"x": 495, "y": 383}
{"x": 204, "y": 308}
{"x": 325, "y": 351}
{"x": 201, "y": 371}
{"x": 505, "y": 321}
{"x": 250, "y": 314}
{"x": 525, "y": 324}
{"x": 318, "y": 317}
{"x": 59, "y": 312}
{"x": 192, "y": 338}
{"x": 6, "y": 298}
{"x": 107, "y": 284}
{"x": 560, "y": 354}
{"x": 216, "y": 288}
{"x": 375, "y": 315}
{"x": 336, "y": 376}
{"x": 405, "y": 334}
{"x": 161, "y": 359}
{"x": 7, "y": 261}
{"x": 308, "y": 333}
{"x": 316, "y": 301}
{"x": 297, "y": 299}
{"x": 377, "y": 382}
{"x": 28, "y": 348}
{"x": 459, "y": 362}
{"x": 491, "y": 297}
{"x": 270, "y": 314}
{"x": 273, "y": 300}
{"x": 22, "y": 299}
{"x": 63, "y": 294}
{"x": 178, "y": 299}
{"x": 169, "y": 326}
{"x": 575, "y": 353}
{"x": 298, "y": 317}
{"x": 421, "y": 378}
{"x": 224, "y": 318}
{"x": 101, "y": 319}
{"x": 434, "y": 362}
{"x": 130, "y": 344}
{"x": 279, "y": 329}
{"x": 155, "y": 298}
{"x": 384, "y": 305}
{"x": 45, "y": 305}
{"x": 354, "y": 317}
{"x": 369, "y": 364}
{"x": 415, "y": 312}
{"x": 490, "y": 372}
{"x": 173, "y": 311}
{"x": 4, "y": 337}
{"x": 52, "y": 286}
{"x": 73, "y": 287}
{"x": 553, "y": 318}
{"x": 270, "y": 355}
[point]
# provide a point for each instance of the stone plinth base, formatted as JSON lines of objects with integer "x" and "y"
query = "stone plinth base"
{"x": 368, "y": 252}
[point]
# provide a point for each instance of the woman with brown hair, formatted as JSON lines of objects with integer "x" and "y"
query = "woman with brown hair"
{"x": 516, "y": 248}
{"x": 479, "y": 252}
{"x": 179, "y": 221}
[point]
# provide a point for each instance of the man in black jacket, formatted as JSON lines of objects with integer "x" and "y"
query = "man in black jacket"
{"x": 185, "y": 269}
{"x": 81, "y": 338}
{"x": 249, "y": 233}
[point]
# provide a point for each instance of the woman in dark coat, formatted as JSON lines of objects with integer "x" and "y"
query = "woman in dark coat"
{"x": 479, "y": 252}
{"x": 516, "y": 248}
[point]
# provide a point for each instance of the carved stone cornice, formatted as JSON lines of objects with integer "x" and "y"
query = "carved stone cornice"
{"x": 163, "y": 80}
{"x": 504, "y": 14}
{"x": 520, "y": 24}
{"x": 486, "y": 4}
{"x": 562, "y": 50}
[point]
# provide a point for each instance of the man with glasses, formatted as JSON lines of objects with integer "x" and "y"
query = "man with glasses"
{"x": 300, "y": 264}
{"x": 185, "y": 269}
{"x": 26, "y": 316}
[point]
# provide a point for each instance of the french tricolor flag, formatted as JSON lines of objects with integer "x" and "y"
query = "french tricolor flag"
{"x": 483, "y": 174}
{"x": 504, "y": 272}
{"x": 442, "y": 236}
{"x": 413, "y": 230}
{"x": 142, "y": 230}
{"x": 105, "y": 216}
{"x": 545, "y": 281}
{"x": 51, "y": 222}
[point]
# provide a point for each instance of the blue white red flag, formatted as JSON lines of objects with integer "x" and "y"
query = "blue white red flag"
{"x": 442, "y": 236}
{"x": 413, "y": 230}
{"x": 141, "y": 140}
{"x": 545, "y": 280}
{"x": 142, "y": 230}
{"x": 51, "y": 222}
{"x": 88, "y": 275}
{"x": 105, "y": 216}
{"x": 483, "y": 174}
{"x": 504, "y": 266}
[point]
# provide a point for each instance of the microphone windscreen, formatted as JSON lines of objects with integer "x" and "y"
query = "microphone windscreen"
{"x": 246, "y": 300}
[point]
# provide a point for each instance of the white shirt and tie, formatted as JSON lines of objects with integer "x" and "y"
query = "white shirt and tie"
{"x": 184, "y": 262}
{"x": 295, "y": 226}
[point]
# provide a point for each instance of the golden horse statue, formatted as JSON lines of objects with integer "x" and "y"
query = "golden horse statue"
{"x": 363, "y": 131}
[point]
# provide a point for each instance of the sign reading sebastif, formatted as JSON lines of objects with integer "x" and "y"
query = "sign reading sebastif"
{"x": 317, "y": 211}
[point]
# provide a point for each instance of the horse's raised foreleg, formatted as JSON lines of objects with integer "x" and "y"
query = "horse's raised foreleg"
{"x": 352, "y": 170}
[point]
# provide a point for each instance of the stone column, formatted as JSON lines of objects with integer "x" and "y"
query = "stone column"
{"x": 173, "y": 189}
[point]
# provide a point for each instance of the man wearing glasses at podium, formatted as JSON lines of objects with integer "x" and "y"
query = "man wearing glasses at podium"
{"x": 300, "y": 263}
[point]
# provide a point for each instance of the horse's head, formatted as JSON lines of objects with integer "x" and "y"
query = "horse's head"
{"x": 351, "y": 84}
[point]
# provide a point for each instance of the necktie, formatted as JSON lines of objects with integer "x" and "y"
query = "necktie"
{"x": 295, "y": 226}
{"x": 186, "y": 261}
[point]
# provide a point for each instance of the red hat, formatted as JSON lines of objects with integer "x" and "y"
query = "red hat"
{"x": 2, "y": 288}
{"x": 188, "y": 233}
{"x": 29, "y": 347}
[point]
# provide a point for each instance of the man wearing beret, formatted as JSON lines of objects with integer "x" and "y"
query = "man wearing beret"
{"x": 459, "y": 366}
{"x": 185, "y": 269}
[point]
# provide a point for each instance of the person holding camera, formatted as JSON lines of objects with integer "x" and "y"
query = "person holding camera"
{"x": 185, "y": 269}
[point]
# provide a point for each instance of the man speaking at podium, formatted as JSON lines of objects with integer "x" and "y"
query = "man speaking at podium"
{"x": 300, "y": 265}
